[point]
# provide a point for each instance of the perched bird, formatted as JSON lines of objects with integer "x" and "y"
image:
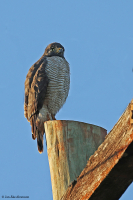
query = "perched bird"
{"x": 46, "y": 89}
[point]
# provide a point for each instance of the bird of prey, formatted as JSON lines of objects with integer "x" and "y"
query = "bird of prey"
{"x": 46, "y": 89}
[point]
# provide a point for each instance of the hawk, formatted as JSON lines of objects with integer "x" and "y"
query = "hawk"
{"x": 46, "y": 89}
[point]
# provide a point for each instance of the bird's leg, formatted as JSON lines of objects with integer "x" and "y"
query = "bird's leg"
{"x": 49, "y": 117}
{"x": 53, "y": 117}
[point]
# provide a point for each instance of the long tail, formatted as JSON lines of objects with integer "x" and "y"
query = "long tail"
{"x": 40, "y": 141}
{"x": 37, "y": 128}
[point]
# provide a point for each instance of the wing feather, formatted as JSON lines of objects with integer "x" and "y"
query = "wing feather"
{"x": 35, "y": 88}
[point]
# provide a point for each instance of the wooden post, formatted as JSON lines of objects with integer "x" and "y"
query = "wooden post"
{"x": 69, "y": 145}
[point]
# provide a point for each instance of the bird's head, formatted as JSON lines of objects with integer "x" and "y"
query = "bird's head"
{"x": 54, "y": 49}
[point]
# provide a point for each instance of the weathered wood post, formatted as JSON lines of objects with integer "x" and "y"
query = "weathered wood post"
{"x": 69, "y": 146}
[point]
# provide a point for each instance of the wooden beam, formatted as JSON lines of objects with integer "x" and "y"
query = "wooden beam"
{"x": 117, "y": 181}
{"x": 109, "y": 170}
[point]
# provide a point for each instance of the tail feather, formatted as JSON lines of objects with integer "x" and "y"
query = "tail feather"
{"x": 37, "y": 128}
{"x": 40, "y": 141}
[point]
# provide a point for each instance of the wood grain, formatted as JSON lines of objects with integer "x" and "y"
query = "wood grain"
{"x": 109, "y": 170}
{"x": 69, "y": 145}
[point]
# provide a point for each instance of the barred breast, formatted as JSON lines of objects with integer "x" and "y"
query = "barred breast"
{"x": 58, "y": 73}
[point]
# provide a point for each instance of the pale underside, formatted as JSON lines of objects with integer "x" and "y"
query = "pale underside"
{"x": 58, "y": 73}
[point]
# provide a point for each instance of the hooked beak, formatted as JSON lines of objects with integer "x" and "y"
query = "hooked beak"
{"x": 60, "y": 50}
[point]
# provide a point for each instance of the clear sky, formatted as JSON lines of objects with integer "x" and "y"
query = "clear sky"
{"x": 98, "y": 40}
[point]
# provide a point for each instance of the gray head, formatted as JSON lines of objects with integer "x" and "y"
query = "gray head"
{"x": 54, "y": 49}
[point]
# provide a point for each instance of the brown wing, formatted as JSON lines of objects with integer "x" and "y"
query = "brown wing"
{"x": 35, "y": 88}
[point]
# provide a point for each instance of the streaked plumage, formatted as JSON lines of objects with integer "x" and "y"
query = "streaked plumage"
{"x": 46, "y": 89}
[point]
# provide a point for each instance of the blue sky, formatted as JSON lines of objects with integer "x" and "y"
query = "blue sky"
{"x": 98, "y": 41}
